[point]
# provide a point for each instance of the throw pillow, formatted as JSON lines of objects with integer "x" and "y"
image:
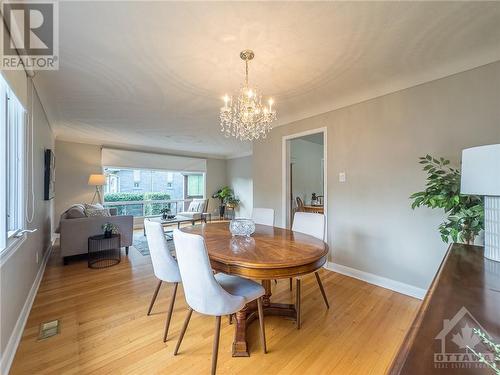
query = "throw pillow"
{"x": 75, "y": 212}
{"x": 196, "y": 207}
{"x": 95, "y": 206}
{"x": 93, "y": 212}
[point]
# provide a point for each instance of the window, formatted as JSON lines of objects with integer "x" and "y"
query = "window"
{"x": 137, "y": 178}
{"x": 194, "y": 186}
{"x": 158, "y": 189}
{"x": 170, "y": 179}
{"x": 112, "y": 184}
{"x": 12, "y": 140}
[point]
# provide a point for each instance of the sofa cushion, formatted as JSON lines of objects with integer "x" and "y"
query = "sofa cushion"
{"x": 190, "y": 215}
{"x": 75, "y": 212}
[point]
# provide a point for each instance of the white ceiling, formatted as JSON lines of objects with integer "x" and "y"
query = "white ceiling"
{"x": 151, "y": 74}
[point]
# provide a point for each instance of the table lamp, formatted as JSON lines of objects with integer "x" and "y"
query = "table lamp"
{"x": 481, "y": 176}
{"x": 97, "y": 180}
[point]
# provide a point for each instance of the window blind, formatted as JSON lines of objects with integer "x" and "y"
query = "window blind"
{"x": 145, "y": 160}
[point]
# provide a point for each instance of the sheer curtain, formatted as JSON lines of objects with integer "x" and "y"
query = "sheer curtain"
{"x": 12, "y": 151}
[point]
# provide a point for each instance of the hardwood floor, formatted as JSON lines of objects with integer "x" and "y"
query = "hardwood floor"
{"x": 105, "y": 330}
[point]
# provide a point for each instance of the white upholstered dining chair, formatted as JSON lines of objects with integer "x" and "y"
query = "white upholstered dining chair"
{"x": 313, "y": 225}
{"x": 263, "y": 216}
{"x": 210, "y": 294}
{"x": 165, "y": 266}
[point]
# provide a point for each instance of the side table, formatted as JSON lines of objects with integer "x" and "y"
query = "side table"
{"x": 104, "y": 252}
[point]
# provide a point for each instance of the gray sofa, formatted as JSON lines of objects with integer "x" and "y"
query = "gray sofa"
{"x": 75, "y": 228}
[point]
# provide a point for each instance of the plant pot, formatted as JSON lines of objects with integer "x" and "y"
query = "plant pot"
{"x": 108, "y": 234}
{"x": 164, "y": 216}
{"x": 222, "y": 210}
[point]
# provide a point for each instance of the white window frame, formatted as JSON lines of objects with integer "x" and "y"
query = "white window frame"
{"x": 13, "y": 134}
{"x": 186, "y": 177}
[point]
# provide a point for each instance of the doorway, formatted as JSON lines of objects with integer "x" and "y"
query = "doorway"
{"x": 304, "y": 174}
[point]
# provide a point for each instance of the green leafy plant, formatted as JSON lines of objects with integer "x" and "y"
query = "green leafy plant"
{"x": 110, "y": 227}
{"x": 465, "y": 213}
{"x": 492, "y": 360}
{"x": 223, "y": 194}
{"x": 232, "y": 201}
{"x": 149, "y": 209}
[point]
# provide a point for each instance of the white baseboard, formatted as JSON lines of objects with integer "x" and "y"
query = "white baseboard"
{"x": 17, "y": 332}
{"x": 381, "y": 281}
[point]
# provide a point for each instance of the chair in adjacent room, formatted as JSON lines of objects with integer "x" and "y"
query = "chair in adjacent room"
{"x": 165, "y": 267}
{"x": 313, "y": 225}
{"x": 300, "y": 204}
{"x": 210, "y": 294}
{"x": 263, "y": 216}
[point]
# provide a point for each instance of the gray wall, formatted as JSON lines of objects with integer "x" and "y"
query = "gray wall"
{"x": 307, "y": 169}
{"x": 76, "y": 161}
{"x": 239, "y": 178}
{"x": 19, "y": 271}
{"x": 370, "y": 224}
{"x": 216, "y": 178}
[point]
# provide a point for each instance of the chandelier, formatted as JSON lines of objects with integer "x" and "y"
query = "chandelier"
{"x": 246, "y": 118}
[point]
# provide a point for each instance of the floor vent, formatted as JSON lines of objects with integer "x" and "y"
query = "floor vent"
{"x": 48, "y": 329}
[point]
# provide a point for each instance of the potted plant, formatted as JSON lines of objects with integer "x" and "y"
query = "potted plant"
{"x": 165, "y": 213}
{"x": 109, "y": 229}
{"x": 223, "y": 194}
{"x": 465, "y": 213}
{"x": 232, "y": 201}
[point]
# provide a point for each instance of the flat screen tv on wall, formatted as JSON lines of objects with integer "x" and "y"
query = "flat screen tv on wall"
{"x": 49, "y": 175}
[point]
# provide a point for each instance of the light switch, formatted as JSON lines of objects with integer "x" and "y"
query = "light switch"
{"x": 342, "y": 177}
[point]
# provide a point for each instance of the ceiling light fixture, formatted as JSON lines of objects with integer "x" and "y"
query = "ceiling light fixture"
{"x": 246, "y": 118}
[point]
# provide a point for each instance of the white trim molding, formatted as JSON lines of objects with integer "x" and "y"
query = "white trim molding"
{"x": 17, "y": 333}
{"x": 381, "y": 281}
{"x": 285, "y": 172}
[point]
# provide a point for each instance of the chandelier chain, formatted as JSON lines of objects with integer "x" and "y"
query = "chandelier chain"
{"x": 246, "y": 72}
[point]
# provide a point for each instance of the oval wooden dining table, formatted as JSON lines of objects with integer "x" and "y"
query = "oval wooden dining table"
{"x": 270, "y": 253}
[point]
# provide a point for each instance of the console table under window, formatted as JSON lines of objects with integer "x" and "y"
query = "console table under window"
{"x": 465, "y": 291}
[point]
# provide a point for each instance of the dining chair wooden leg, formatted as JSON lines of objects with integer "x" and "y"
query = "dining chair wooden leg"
{"x": 291, "y": 283}
{"x": 261, "y": 322}
{"x": 297, "y": 302}
{"x": 154, "y": 297}
{"x": 321, "y": 289}
{"x": 215, "y": 350}
{"x": 169, "y": 313}
{"x": 183, "y": 330}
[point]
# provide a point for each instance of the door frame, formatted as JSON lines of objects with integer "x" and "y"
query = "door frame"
{"x": 285, "y": 163}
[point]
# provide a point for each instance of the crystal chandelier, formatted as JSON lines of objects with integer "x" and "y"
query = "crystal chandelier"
{"x": 246, "y": 118}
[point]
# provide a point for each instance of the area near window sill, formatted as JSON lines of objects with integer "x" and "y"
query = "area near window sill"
{"x": 13, "y": 244}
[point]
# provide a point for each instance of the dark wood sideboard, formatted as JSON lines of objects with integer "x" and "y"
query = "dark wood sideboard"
{"x": 465, "y": 280}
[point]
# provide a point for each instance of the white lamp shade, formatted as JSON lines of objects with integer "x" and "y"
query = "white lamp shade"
{"x": 481, "y": 170}
{"x": 97, "y": 180}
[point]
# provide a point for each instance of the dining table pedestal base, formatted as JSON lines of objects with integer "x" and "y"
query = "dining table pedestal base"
{"x": 270, "y": 253}
{"x": 250, "y": 313}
